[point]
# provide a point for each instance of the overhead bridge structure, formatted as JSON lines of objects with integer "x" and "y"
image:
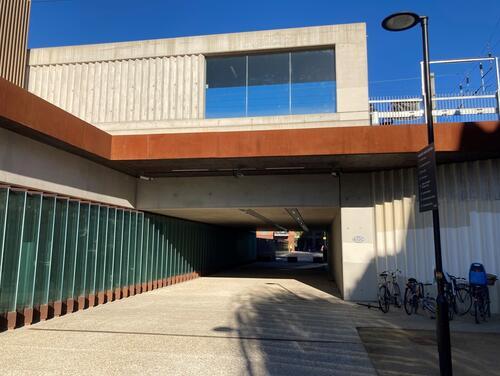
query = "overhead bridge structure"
{"x": 132, "y": 166}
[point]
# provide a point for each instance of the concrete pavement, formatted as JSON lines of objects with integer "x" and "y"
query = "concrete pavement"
{"x": 268, "y": 318}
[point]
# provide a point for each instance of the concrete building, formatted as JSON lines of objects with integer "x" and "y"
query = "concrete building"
{"x": 218, "y": 135}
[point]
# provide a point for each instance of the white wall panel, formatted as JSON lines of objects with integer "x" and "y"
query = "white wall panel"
{"x": 469, "y": 204}
{"x": 152, "y": 89}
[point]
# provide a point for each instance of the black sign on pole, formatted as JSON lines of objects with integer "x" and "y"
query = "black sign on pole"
{"x": 426, "y": 176}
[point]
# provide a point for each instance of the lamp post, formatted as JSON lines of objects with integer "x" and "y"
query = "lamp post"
{"x": 399, "y": 22}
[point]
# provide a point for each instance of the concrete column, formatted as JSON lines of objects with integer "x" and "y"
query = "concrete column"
{"x": 359, "y": 275}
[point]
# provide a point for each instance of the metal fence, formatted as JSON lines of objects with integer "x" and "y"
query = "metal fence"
{"x": 446, "y": 108}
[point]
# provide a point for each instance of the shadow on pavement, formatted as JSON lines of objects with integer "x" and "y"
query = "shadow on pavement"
{"x": 414, "y": 352}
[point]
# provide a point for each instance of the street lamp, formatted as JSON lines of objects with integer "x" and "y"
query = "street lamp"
{"x": 399, "y": 22}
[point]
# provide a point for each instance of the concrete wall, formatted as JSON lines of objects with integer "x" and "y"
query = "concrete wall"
{"x": 244, "y": 192}
{"x": 125, "y": 91}
{"x": 335, "y": 264}
{"x": 32, "y": 164}
{"x": 357, "y": 238}
{"x": 159, "y": 85}
{"x": 469, "y": 203}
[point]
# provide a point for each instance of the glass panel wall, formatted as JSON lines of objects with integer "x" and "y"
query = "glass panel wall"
{"x": 12, "y": 250}
{"x": 82, "y": 246}
{"x": 58, "y": 250}
{"x": 281, "y": 83}
{"x": 71, "y": 249}
{"x": 26, "y": 279}
{"x": 53, "y": 249}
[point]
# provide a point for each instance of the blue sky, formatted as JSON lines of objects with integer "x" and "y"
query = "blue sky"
{"x": 459, "y": 28}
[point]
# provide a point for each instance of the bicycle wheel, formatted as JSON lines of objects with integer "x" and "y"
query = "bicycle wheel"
{"x": 396, "y": 297}
{"x": 463, "y": 300}
{"x": 383, "y": 299}
{"x": 429, "y": 306}
{"x": 410, "y": 301}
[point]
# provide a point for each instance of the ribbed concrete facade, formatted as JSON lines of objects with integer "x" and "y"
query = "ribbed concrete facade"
{"x": 469, "y": 202}
{"x": 14, "y": 21}
{"x": 150, "y": 89}
{"x": 158, "y": 86}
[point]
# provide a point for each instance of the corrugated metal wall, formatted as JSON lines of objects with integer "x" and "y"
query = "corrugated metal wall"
{"x": 469, "y": 203}
{"x": 14, "y": 21}
{"x": 150, "y": 89}
{"x": 59, "y": 254}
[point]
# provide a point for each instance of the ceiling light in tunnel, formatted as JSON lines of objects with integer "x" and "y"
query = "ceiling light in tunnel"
{"x": 285, "y": 168}
{"x": 191, "y": 170}
{"x": 295, "y": 214}
{"x": 254, "y": 214}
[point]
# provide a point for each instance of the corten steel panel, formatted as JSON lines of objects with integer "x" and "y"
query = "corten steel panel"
{"x": 34, "y": 117}
{"x": 14, "y": 20}
{"x": 450, "y": 137}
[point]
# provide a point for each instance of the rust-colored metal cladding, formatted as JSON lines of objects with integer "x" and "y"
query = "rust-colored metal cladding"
{"x": 101, "y": 297}
{"x": 118, "y": 293}
{"x": 28, "y": 316}
{"x": 92, "y": 300}
{"x": 70, "y": 305}
{"x": 34, "y": 117}
{"x": 125, "y": 292}
{"x": 290, "y": 142}
{"x": 57, "y": 308}
{"x": 82, "y": 303}
{"x": 109, "y": 296}
{"x": 11, "y": 320}
{"x": 44, "y": 312}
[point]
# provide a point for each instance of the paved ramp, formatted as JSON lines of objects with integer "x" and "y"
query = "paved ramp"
{"x": 258, "y": 320}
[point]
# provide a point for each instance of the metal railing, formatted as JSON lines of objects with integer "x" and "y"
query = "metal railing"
{"x": 446, "y": 108}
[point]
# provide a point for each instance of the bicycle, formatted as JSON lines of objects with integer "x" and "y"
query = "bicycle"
{"x": 458, "y": 295}
{"x": 479, "y": 281}
{"x": 389, "y": 291}
{"x": 415, "y": 296}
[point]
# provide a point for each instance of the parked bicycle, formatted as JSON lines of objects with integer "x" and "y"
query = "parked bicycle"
{"x": 389, "y": 291}
{"x": 416, "y": 297}
{"x": 479, "y": 281}
{"x": 458, "y": 295}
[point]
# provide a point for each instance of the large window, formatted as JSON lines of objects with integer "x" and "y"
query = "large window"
{"x": 283, "y": 83}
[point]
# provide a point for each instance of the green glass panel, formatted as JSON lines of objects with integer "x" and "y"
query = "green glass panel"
{"x": 169, "y": 247}
{"x": 92, "y": 245}
{"x": 145, "y": 250}
{"x": 152, "y": 253}
{"x": 101, "y": 249}
{"x": 71, "y": 247}
{"x": 82, "y": 246}
{"x": 125, "y": 249}
{"x": 184, "y": 247}
{"x": 133, "y": 249}
{"x": 163, "y": 250}
{"x": 58, "y": 251}
{"x": 118, "y": 250}
{"x": 4, "y": 193}
{"x": 175, "y": 256}
{"x": 26, "y": 278}
{"x": 45, "y": 241}
{"x": 139, "y": 247}
{"x": 10, "y": 264}
{"x": 110, "y": 250}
